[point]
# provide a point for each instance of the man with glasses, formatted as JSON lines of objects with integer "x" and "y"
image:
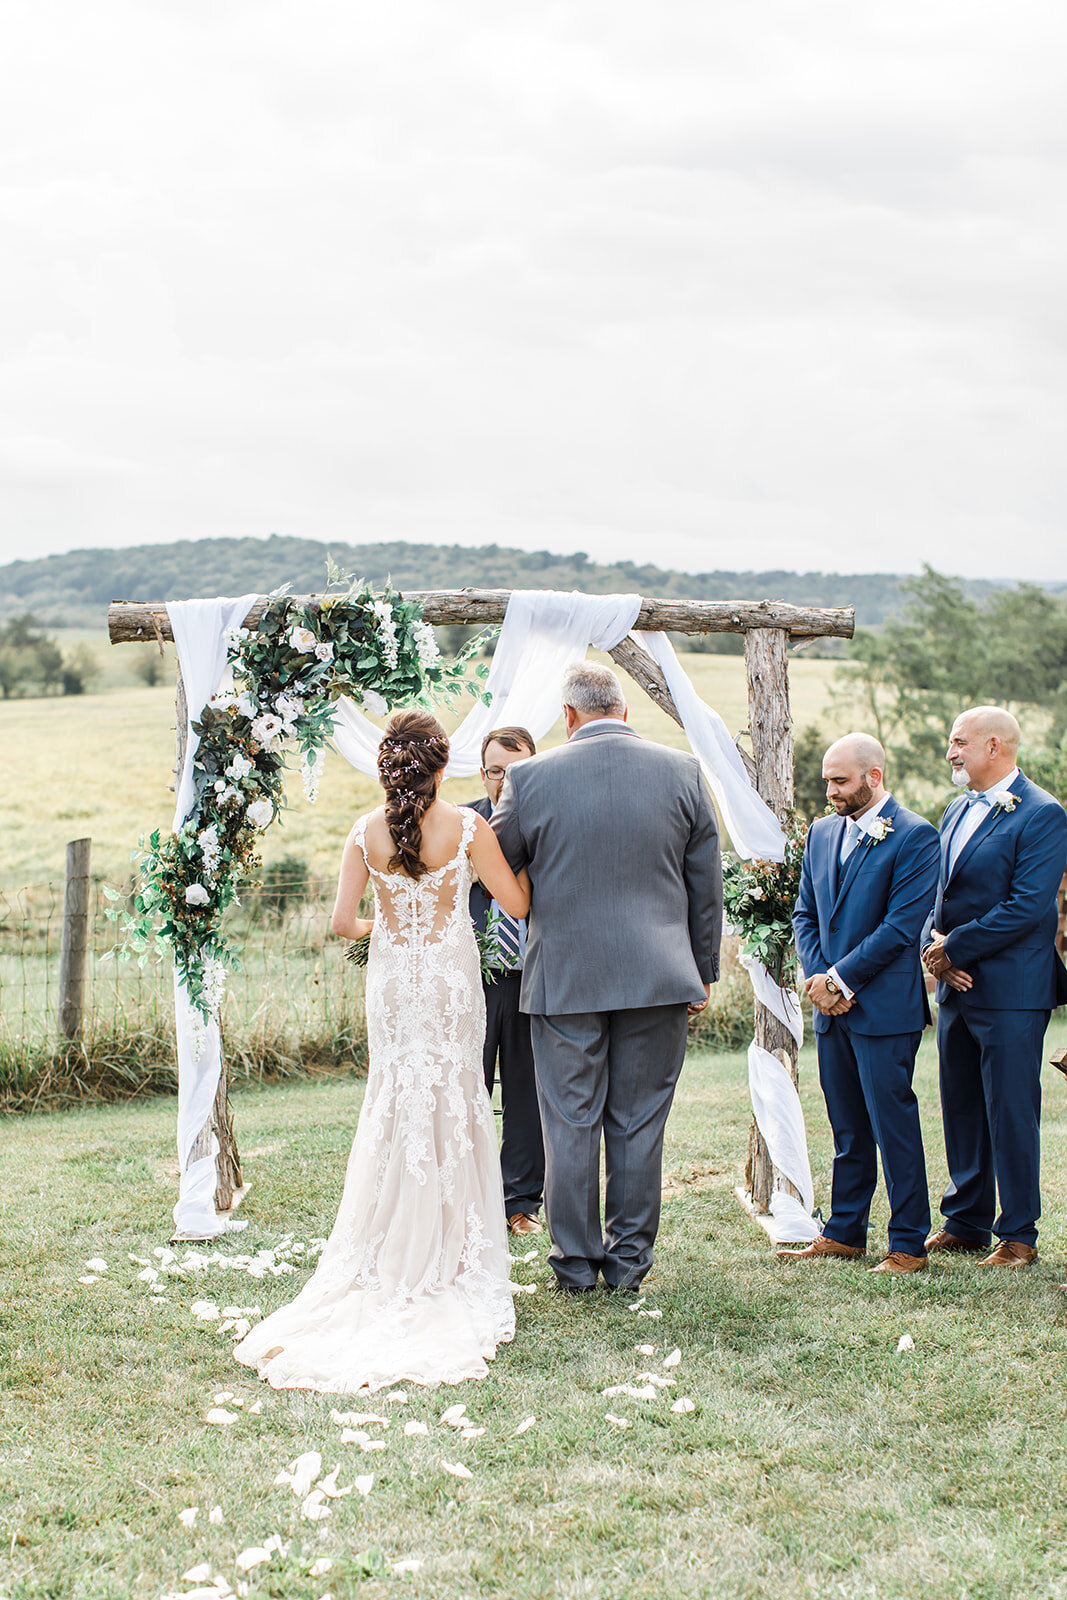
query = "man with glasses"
{"x": 507, "y": 1030}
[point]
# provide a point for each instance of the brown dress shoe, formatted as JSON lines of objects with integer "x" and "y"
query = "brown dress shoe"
{"x": 1010, "y": 1253}
{"x": 943, "y": 1240}
{"x": 524, "y": 1222}
{"x": 900, "y": 1261}
{"x": 822, "y": 1247}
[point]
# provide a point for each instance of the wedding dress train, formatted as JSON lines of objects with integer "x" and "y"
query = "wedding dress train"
{"x": 413, "y": 1282}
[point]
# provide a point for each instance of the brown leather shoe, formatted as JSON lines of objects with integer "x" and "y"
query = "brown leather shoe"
{"x": 525, "y": 1222}
{"x": 900, "y": 1261}
{"x": 1010, "y": 1253}
{"x": 943, "y": 1240}
{"x": 823, "y": 1247}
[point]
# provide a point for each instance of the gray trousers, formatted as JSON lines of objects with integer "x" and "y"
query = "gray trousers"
{"x": 609, "y": 1074}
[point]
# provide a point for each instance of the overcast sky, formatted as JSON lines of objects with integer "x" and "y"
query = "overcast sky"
{"x": 705, "y": 283}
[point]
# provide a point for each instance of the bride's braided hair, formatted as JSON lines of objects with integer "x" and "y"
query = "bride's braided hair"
{"x": 413, "y": 751}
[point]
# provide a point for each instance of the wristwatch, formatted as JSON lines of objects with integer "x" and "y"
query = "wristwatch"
{"x": 832, "y": 987}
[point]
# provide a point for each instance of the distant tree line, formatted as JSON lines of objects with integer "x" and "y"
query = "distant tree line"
{"x": 32, "y": 662}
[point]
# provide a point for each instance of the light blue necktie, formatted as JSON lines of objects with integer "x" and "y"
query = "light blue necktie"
{"x": 852, "y": 839}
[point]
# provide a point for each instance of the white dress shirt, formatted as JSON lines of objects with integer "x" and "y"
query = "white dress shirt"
{"x": 863, "y": 823}
{"x": 972, "y": 818}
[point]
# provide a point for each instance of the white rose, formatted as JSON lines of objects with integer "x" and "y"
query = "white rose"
{"x": 302, "y": 639}
{"x": 239, "y": 768}
{"x": 324, "y": 651}
{"x": 246, "y": 706}
{"x": 260, "y": 813}
{"x": 374, "y": 703}
{"x": 196, "y": 895}
{"x": 266, "y": 730}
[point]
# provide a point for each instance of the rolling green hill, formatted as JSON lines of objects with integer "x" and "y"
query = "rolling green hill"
{"x": 75, "y": 588}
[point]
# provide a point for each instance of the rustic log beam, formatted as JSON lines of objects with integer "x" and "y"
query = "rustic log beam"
{"x": 134, "y": 621}
{"x": 771, "y": 729}
{"x": 644, "y": 671}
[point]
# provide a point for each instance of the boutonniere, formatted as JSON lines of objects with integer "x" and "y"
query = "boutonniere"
{"x": 1004, "y": 800}
{"x": 879, "y": 829}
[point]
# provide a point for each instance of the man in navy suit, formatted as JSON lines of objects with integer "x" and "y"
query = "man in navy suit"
{"x": 991, "y": 944}
{"x": 868, "y": 881}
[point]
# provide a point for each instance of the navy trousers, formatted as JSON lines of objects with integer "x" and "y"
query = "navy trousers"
{"x": 509, "y": 1052}
{"x": 991, "y": 1108}
{"x": 866, "y": 1082}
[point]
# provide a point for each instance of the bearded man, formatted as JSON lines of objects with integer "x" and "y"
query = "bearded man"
{"x": 991, "y": 944}
{"x": 867, "y": 883}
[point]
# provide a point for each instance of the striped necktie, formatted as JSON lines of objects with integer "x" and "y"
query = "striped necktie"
{"x": 508, "y": 939}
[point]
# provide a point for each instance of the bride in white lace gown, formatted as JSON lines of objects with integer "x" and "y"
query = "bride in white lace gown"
{"x": 413, "y": 1283}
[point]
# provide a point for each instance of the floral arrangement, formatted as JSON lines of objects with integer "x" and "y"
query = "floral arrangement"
{"x": 759, "y": 897}
{"x": 287, "y": 673}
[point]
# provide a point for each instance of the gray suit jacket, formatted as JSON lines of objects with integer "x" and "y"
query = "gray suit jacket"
{"x": 620, "y": 840}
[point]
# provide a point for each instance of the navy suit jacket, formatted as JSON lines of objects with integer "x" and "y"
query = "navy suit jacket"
{"x": 997, "y": 907}
{"x": 866, "y": 918}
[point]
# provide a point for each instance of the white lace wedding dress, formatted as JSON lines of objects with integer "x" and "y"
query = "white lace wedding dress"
{"x": 413, "y": 1283}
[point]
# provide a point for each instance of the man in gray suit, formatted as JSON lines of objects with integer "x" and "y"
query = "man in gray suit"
{"x": 620, "y": 841}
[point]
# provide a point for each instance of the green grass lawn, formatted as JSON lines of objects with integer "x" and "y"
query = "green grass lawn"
{"x": 817, "y": 1461}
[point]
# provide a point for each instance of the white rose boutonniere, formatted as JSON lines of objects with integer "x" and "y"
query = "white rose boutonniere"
{"x": 879, "y": 829}
{"x": 1004, "y": 800}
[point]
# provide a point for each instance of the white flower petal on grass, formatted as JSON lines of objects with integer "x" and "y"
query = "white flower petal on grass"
{"x": 363, "y": 1485}
{"x": 531, "y": 1255}
{"x": 89, "y": 1277}
{"x": 276, "y": 1542}
{"x": 655, "y": 1380}
{"x": 142, "y": 1261}
{"x": 364, "y": 1440}
{"x": 410, "y": 1565}
{"x": 523, "y": 1288}
{"x": 188, "y": 1518}
{"x": 254, "y": 1410}
{"x": 198, "y": 1574}
{"x": 220, "y": 1417}
{"x": 204, "y": 1310}
{"x": 202, "y": 1593}
{"x": 673, "y": 1360}
{"x": 454, "y": 1417}
{"x": 315, "y": 1508}
{"x": 637, "y": 1304}
{"x": 397, "y": 1397}
{"x": 415, "y": 1427}
{"x": 301, "y": 1473}
{"x": 149, "y": 1275}
{"x": 525, "y": 1425}
{"x": 471, "y": 1433}
{"x": 683, "y": 1403}
{"x": 357, "y": 1419}
{"x": 645, "y": 1349}
{"x": 328, "y": 1486}
{"x": 214, "y": 1516}
{"x": 616, "y": 1422}
{"x": 97, "y": 1264}
{"x": 653, "y": 1314}
{"x": 223, "y": 1396}
{"x": 905, "y": 1343}
{"x": 320, "y": 1568}
{"x": 251, "y": 1558}
{"x": 647, "y": 1391}
{"x": 457, "y": 1469}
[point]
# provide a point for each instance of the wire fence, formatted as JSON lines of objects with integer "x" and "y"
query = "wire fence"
{"x": 294, "y": 1005}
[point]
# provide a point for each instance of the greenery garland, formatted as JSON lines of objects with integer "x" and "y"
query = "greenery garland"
{"x": 288, "y": 671}
{"x": 759, "y": 897}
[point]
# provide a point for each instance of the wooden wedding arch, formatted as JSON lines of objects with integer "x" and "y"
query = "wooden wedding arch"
{"x": 770, "y": 628}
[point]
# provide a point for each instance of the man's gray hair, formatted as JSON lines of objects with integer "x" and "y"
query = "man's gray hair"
{"x": 592, "y": 690}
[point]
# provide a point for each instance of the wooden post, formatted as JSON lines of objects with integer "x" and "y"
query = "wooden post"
{"x": 771, "y": 729}
{"x": 220, "y": 1122}
{"x": 74, "y": 949}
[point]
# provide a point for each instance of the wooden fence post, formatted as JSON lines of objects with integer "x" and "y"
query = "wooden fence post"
{"x": 771, "y": 729}
{"x": 74, "y": 948}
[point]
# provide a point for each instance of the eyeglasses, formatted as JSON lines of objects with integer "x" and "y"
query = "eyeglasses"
{"x": 495, "y": 772}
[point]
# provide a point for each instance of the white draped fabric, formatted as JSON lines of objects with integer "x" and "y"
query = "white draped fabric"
{"x": 199, "y": 628}
{"x": 544, "y": 633}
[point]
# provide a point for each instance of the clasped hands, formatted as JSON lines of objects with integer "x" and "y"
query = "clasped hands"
{"x": 940, "y": 967}
{"x": 824, "y": 999}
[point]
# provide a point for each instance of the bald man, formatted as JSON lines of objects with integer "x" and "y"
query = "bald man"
{"x": 991, "y": 944}
{"x": 867, "y": 884}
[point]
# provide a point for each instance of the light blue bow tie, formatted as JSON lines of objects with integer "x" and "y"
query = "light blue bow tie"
{"x": 976, "y": 798}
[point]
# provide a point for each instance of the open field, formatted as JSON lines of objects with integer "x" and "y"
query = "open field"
{"x": 817, "y": 1462}
{"x": 101, "y": 765}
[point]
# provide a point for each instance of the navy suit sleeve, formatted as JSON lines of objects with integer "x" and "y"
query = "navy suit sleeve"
{"x": 806, "y": 920}
{"x": 1040, "y": 858}
{"x": 911, "y": 895}
{"x": 505, "y": 824}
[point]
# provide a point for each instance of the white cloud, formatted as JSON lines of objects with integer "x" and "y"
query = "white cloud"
{"x": 763, "y": 285}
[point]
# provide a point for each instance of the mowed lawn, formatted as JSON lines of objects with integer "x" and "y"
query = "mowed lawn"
{"x": 100, "y": 765}
{"x": 817, "y": 1461}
